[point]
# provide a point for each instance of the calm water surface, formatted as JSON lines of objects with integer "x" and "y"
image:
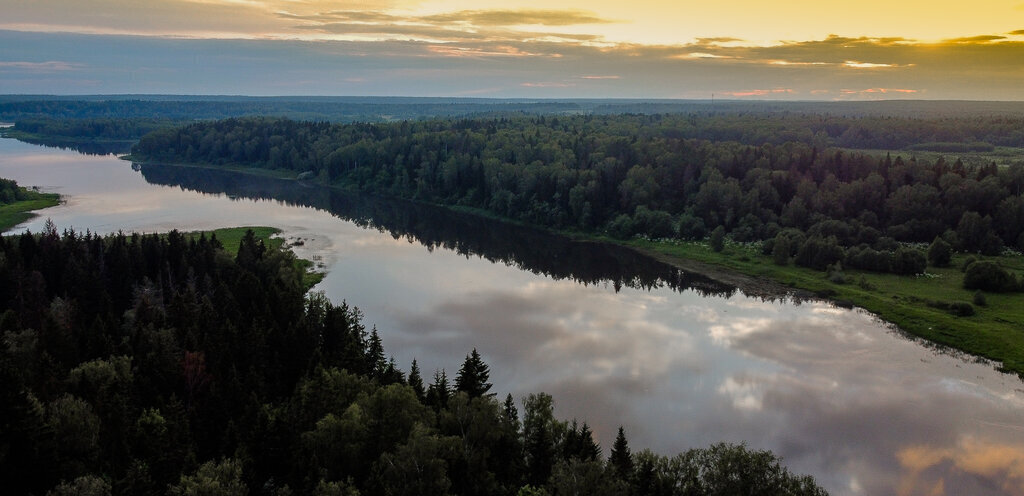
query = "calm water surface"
{"x": 680, "y": 361}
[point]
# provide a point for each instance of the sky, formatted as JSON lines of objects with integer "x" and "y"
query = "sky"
{"x": 729, "y": 49}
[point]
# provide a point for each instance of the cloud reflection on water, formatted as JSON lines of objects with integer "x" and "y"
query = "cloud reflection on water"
{"x": 833, "y": 391}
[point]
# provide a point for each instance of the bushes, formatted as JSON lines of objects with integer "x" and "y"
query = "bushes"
{"x": 718, "y": 239}
{"x": 818, "y": 253}
{"x": 908, "y": 261}
{"x": 987, "y": 275}
{"x": 867, "y": 258}
{"x": 939, "y": 253}
{"x": 958, "y": 308}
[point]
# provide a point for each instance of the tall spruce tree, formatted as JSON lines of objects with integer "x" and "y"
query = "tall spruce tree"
{"x": 416, "y": 380}
{"x": 620, "y": 458}
{"x": 439, "y": 391}
{"x": 473, "y": 375}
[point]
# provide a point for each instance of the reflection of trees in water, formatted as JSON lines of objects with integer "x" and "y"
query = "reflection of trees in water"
{"x": 521, "y": 247}
{"x": 85, "y": 147}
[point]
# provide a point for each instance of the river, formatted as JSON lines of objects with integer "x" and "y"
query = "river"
{"x": 677, "y": 359}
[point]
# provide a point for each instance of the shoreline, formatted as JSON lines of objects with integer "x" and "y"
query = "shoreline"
{"x": 900, "y": 301}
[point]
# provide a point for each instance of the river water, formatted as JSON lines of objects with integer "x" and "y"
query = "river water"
{"x": 679, "y": 360}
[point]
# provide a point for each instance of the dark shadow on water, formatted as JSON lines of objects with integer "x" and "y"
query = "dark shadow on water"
{"x": 526, "y": 248}
{"x": 83, "y": 146}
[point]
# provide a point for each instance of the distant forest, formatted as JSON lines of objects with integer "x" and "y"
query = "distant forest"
{"x": 382, "y": 109}
{"x": 148, "y": 365}
{"x": 663, "y": 176}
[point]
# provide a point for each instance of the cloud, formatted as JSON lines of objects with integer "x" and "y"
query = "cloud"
{"x": 600, "y": 77}
{"x": 749, "y": 93}
{"x": 853, "y": 64}
{"x": 1019, "y": 32}
{"x": 519, "y": 17}
{"x": 877, "y": 90}
{"x": 441, "y": 62}
{"x": 983, "y": 459}
{"x": 50, "y": 66}
{"x": 547, "y": 85}
{"x": 977, "y": 39}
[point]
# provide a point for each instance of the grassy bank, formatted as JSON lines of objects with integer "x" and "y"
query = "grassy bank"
{"x": 231, "y": 237}
{"x": 15, "y": 213}
{"x": 913, "y": 303}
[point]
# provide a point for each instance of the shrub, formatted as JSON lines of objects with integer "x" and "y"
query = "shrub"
{"x": 989, "y": 276}
{"x": 909, "y": 261}
{"x": 939, "y": 253}
{"x": 867, "y": 258}
{"x": 958, "y": 308}
{"x": 654, "y": 223}
{"x": 718, "y": 239}
{"x": 979, "y": 299}
{"x": 780, "y": 250}
{"x": 818, "y": 253}
{"x": 621, "y": 227}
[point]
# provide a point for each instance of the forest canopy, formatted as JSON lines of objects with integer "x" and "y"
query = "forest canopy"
{"x": 161, "y": 364}
{"x": 659, "y": 176}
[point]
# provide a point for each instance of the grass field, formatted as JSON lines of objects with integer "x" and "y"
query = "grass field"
{"x": 15, "y": 213}
{"x": 995, "y": 331}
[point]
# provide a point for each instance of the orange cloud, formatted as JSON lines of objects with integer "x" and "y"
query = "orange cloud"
{"x": 758, "y": 92}
{"x": 988, "y": 38}
{"x": 500, "y": 51}
{"x": 980, "y": 458}
{"x": 853, "y": 64}
{"x": 877, "y": 90}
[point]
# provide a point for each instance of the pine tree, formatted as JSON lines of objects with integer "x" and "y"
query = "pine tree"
{"x": 375, "y": 355}
{"x": 511, "y": 413}
{"x": 439, "y": 391}
{"x": 416, "y": 381}
{"x": 620, "y": 458}
{"x": 473, "y": 375}
{"x": 392, "y": 374}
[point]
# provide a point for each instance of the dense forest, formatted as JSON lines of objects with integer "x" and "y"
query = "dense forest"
{"x": 330, "y": 109}
{"x": 152, "y": 364}
{"x": 646, "y": 175}
{"x": 94, "y": 128}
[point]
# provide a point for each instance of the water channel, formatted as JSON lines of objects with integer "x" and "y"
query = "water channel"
{"x": 678, "y": 359}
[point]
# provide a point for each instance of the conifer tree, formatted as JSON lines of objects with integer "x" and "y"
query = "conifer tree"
{"x": 439, "y": 391}
{"x": 473, "y": 375}
{"x": 416, "y": 381}
{"x": 375, "y": 355}
{"x": 620, "y": 459}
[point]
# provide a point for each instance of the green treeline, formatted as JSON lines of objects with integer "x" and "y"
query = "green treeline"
{"x": 17, "y": 202}
{"x": 333, "y": 109}
{"x": 93, "y": 128}
{"x": 640, "y": 175}
{"x": 10, "y": 192}
{"x": 154, "y": 364}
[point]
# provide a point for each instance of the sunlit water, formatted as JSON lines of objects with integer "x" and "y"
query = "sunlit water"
{"x": 835, "y": 392}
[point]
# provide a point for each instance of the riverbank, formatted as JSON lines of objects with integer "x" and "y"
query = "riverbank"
{"x": 917, "y": 305}
{"x": 15, "y": 213}
{"x": 231, "y": 237}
